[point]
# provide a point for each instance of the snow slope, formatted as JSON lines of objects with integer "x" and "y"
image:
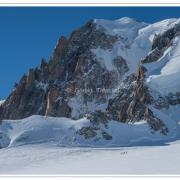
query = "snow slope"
{"x": 63, "y": 132}
{"x": 135, "y": 40}
{"x": 45, "y": 159}
{"x": 164, "y": 75}
{"x": 126, "y": 28}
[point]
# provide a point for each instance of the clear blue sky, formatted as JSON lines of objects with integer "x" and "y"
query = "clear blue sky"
{"x": 27, "y": 34}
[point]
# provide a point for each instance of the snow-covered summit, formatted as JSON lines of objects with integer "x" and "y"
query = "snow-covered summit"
{"x": 124, "y": 27}
{"x": 121, "y": 22}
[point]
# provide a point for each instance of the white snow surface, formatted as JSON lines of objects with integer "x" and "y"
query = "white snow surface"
{"x": 46, "y": 145}
{"x": 126, "y": 28}
{"x": 45, "y": 159}
{"x": 63, "y": 132}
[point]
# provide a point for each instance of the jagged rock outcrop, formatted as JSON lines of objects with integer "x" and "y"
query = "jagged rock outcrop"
{"x": 71, "y": 60}
{"x": 131, "y": 104}
{"x": 121, "y": 65}
{"x": 173, "y": 99}
{"x": 52, "y": 99}
{"x": 163, "y": 41}
{"x": 154, "y": 55}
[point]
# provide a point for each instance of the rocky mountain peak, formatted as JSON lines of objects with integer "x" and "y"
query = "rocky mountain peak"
{"x": 59, "y": 51}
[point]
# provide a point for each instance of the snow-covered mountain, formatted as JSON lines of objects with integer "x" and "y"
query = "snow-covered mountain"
{"x": 110, "y": 83}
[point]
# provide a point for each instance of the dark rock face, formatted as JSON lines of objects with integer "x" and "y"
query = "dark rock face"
{"x": 121, "y": 65}
{"x": 46, "y": 90}
{"x": 24, "y": 100}
{"x": 88, "y": 132}
{"x": 155, "y": 123}
{"x": 106, "y": 136}
{"x": 161, "y": 43}
{"x": 131, "y": 104}
{"x": 98, "y": 118}
{"x": 164, "y": 41}
{"x": 173, "y": 99}
{"x": 154, "y": 55}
